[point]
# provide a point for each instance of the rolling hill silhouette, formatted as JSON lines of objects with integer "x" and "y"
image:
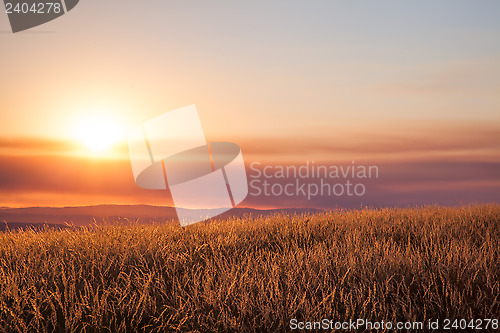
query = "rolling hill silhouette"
{"x": 62, "y": 217}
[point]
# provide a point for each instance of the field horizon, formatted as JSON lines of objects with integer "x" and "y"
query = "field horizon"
{"x": 266, "y": 273}
{"x": 88, "y": 215}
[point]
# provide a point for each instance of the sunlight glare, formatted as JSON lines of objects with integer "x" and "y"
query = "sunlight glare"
{"x": 99, "y": 132}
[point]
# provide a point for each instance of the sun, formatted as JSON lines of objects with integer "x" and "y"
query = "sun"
{"x": 99, "y": 132}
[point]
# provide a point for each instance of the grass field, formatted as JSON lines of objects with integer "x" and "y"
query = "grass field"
{"x": 255, "y": 274}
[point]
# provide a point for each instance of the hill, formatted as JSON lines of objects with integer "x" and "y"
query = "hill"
{"x": 60, "y": 217}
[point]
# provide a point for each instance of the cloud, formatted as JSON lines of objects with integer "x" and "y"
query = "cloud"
{"x": 385, "y": 142}
{"x": 418, "y": 164}
{"x": 397, "y": 184}
{"x": 35, "y": 144}
{"x": 56, "y": 180}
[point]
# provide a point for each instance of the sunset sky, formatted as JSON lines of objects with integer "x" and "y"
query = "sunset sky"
{"x": 413, "y": 88}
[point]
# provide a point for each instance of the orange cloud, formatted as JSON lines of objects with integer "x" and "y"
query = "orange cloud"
{"x": 383, "y": 143}
{"x": 418, "y": 164}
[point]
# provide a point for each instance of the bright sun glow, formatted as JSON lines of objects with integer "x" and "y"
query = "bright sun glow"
{"x": 99, "y": 132}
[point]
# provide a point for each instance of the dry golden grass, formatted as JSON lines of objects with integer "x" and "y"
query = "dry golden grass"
{"x": 254, "y": 274}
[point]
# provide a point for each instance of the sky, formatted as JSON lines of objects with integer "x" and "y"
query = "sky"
{"x": 412, "y": 88}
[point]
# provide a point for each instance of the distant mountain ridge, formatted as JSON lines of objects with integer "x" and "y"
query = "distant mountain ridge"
{"x": 101, "y": 214}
